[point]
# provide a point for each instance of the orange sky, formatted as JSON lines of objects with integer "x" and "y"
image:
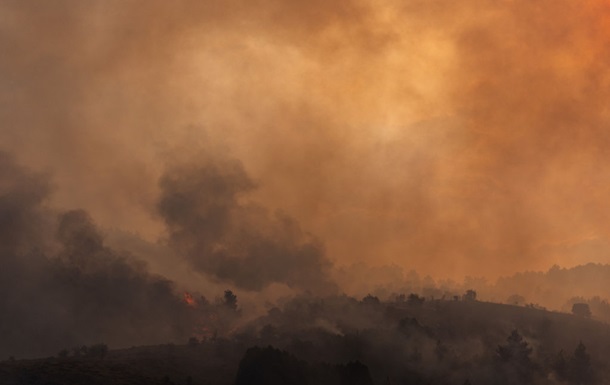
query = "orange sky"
{"x": 452, "y": 137}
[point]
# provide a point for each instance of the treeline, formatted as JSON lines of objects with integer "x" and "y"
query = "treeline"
{"x": 418, "y": 341}
{"x": 341, "y": 340}
{"x": 555, "y": 289}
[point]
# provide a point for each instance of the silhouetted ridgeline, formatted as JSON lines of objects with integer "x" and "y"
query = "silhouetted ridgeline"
{"x": 341, "y": 340}
{"x": 556, "y": 289}
{"x": 558, "y": 286}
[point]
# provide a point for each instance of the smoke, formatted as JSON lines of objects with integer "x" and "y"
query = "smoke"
{"x": 453, "y": 138}
{"x": 237, "y": 241}
{"x": 60, "y": 286}
{"x": 21, "y": 196}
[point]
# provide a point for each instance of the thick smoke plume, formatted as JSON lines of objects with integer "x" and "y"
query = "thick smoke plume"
{"x": 229, "y": 239}
{"x": 60, "y": 286}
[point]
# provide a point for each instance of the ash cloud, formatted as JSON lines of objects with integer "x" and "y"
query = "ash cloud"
{"x": 223, "y": 235}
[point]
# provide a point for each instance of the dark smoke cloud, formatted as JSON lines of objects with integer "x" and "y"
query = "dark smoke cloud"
{"x": 222, "y": 235}
{"x": 60, "y": 286}
{"x": 21, "y": 196}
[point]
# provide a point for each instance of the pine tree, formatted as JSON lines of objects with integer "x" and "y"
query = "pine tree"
{"x": 515, "y": 350}
{"x": 581, "y": 371}
{"x": 514, "y": 359}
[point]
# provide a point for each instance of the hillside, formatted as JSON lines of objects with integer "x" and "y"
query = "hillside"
{"x": 328, "y": 340}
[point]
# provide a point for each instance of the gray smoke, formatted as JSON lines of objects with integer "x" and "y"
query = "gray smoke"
{"x": 232, "y": 240}
{"x": 60, "y": 286}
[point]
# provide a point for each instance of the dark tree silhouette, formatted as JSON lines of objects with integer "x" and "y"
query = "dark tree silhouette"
{"x": 355, "y": 373}
{"x": 515, "y": 360}
{"x": 516, "y": 349}
{"x": 409, "y": 326}
{"x": 581, "y": 371}
{"x": 230, "y": 300}
{"x": 415, "y": 300}
{"x": 470, "y": 295}
{"x": 370, "y": 300}
{"x": 581, "y": 309}
{"x": 269, "y": 366}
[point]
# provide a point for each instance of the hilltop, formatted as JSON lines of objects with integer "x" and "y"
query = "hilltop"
{"x": 329, "y": 340}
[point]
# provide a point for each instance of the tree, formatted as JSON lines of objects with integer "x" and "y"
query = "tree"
{"x": 470, "y": 295}
{"x": 581, "y": 371}
{"x": 354, "y": 373}
{"x": 514, "y": 359}
{"x": 270, "y": 366}
{"x": 415, "y": 300}
{"x": 516, "y": 349}
{"x": 581, "y": 309}
{"x": 230, "y": 300}
{"x": 410, "y": 326}
{"x": 370, "y": 300}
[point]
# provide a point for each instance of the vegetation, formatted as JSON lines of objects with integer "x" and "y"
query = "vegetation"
{"x": 340, "y": 340}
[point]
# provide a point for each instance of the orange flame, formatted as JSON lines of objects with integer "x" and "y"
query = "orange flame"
{"x": 188, "y": 298}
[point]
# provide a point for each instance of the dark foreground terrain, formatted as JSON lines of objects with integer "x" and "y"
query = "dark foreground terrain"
{"x": 340, "y": 340}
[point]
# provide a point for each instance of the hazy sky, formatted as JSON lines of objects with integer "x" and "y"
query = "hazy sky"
{"x": 452, "y": 137}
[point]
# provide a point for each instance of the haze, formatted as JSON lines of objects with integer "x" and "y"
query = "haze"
{"x": 450, "y": 137}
